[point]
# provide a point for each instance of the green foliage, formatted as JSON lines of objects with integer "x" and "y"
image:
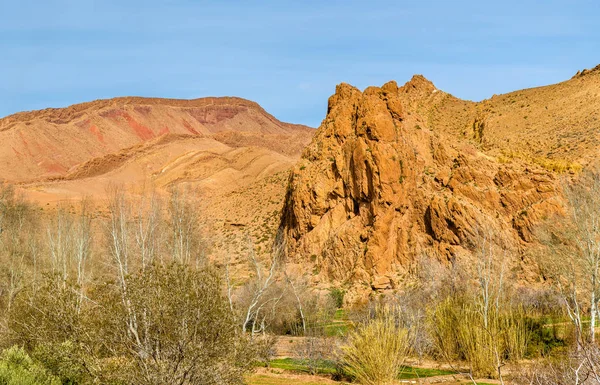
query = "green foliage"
{"x": 331, "y": 367}
{"x": 337, "y": 295}
{"x": 173, "y": 325}
{"x": 17, "y": 368}
{"x": 409, "y": 372}
{"x": 46, "y": 314}
{"x": 544, "y": 337}
{"x": 184, "y": 332}
{"x": 63, "y": 360}
{"x": 298, "y": 365}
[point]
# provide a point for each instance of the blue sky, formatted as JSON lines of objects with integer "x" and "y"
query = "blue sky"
{"x": 286, "y": 55}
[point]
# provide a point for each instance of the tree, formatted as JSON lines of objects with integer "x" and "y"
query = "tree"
{"x": 69, "y": 238}
{"x": 573, "y": 259}
{"x": 17, "y": 233}
{"x": 254, "y": 312}
{"x": 187, "y": 335}
{"x": 147, "y": 228}
{"x": 584, "y": 211}
{"x": 185, "y": 241}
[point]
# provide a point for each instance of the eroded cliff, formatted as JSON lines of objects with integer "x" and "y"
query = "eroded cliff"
{"x": 385, "y": 181}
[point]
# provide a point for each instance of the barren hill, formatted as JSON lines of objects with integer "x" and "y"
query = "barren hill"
{"x": 394, "y": 173}
{"x": 49, "y": 143}
{"x": 228, "y": 152}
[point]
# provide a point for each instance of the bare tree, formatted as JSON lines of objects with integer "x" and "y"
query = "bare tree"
{"x": 260, "y": 287}
{"x": 59, "y": 232}
{"x": 584, "y": 210}
{"x": 490, "y": 278}
{"x": 15, "y": 217}
{"x": 119, "y": 245}
{"x": 82, "y": 246}
{"x": 147, "y": 228}
{"x": 119, "y": 233}
{"x": 185, "y": 242}
{"x": 70, "y": 244}
{"x": 295, "y": 291}
{"x": 573, "y": 261}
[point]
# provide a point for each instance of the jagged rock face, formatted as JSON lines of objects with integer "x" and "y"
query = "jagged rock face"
{"x": 377, "y": 188}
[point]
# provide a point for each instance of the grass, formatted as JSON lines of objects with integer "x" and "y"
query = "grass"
{"x": 263, "y": 379}
{"x": 409, "y": 372}
{"x": 293, "y": 364}
{"x": 339, "y": 325}
{"x": 328, "y": 367}
{"x": 336, "y": 329}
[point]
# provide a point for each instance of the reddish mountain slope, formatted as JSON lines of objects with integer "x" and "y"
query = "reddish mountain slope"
{"x": 49, "y": 143}
{"x": 229, "y": 152}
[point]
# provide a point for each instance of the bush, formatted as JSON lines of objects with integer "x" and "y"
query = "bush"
{"x": 313, "y": 351}
{"x": 171, "y": 325}
{"x": 376, "y": 349}
{"x": 46, "y": 321}
{"x": 48, "y": 314}
{"x": 461, "y": 332}
{"x": 337, "y": 295}
{"x": 264, "y": 348}
{"x": 17, "y": 368}
{"x": 177, "y": 328}
{"x": 64, "y": 360}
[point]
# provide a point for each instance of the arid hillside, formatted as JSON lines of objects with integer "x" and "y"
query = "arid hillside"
{"x": 229, "y": 153}
{"x": 393, "y": 173}
{"x": 397, "y": 173}
{"x": 52, "y": 142}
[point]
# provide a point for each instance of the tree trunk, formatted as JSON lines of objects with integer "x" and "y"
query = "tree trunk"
{"x": 593, "y": 311}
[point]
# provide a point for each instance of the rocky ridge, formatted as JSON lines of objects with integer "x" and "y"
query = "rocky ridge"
{"x": 395, "y": 173}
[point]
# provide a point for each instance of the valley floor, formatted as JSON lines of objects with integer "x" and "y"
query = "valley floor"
{"x": 286, "y": 369}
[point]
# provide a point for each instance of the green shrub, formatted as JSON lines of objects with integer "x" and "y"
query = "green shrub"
{"x": 337, "y": 295}
{"x": 17, "y": 368}
{"x": 184, "y": 331}
{"x": 173, "y": 325}
{"x": 64, "y": 360}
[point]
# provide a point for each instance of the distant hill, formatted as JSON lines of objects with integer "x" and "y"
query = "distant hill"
{"x": 52, "y": 142}
{"x": 229, "y": 153}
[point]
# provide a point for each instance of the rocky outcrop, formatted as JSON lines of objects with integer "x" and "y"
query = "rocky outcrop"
{"x": 378, "y": 187}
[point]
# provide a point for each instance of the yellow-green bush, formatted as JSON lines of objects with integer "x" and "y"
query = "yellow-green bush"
{"x": 376, "y": 350}
{"x": 17, "y": 368}
{"x": 463, "y": 332}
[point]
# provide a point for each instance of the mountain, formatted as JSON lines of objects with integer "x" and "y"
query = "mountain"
{"x": 52, "y": 142}
{"x": 229, "y": 153}
{"x": 391, "y": 175}
{"x": 397, "y": 173}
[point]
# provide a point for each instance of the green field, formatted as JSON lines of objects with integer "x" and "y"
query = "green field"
{"x": 329, "y": 367}
{"x": 297, "y": 365}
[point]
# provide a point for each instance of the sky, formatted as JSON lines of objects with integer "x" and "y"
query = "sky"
{"x": 286, "y": 55}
